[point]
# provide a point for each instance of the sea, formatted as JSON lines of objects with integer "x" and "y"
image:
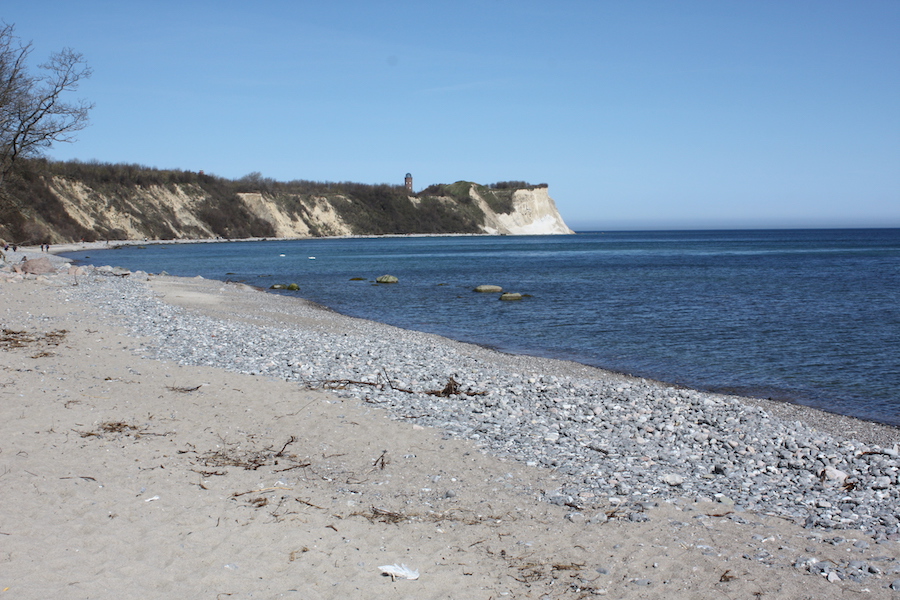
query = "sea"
{"x": 804, "y": 316}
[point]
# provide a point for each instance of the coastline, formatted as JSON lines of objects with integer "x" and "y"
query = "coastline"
{"x": 111, "y": 244}
{"x": 554, "y": 538}
{"x": 787, "y": 406}
{"x": 227, "y": 306}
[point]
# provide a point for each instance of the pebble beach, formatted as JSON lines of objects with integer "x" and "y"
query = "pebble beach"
{"x": 632, "y": 488}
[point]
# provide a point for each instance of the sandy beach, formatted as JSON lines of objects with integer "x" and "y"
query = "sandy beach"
{"x": 128, "y": 476}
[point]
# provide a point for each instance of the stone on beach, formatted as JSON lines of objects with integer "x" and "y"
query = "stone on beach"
{"x": 38, "y": 266}
{"x": 673, "y": 479}
{"x": 836, "y": 475}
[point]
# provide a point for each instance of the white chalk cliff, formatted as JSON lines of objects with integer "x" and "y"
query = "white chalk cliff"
{"x": 534, "y": 213}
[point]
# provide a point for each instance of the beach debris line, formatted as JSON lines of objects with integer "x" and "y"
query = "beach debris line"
{"x": 231, "y": 455}
{"x": 531, "y": 572}
{"x": 452, "y": 387}
{"x": 453, "y": 515}
{"x": 400, "y": 571}
{"x": 114, "y": 427}
{"x": 260, "y": 490}
{"x": 386, "y": 516}
{"x": 10, "y": 338}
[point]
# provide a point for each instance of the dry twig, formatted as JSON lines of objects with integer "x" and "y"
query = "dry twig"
{"x": 183, "y": 390}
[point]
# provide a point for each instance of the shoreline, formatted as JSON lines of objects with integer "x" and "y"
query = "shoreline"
{"x": 112, "y": 244}
{"x": 835, "y": 424}
{"x": 201, "y": 295}
{"x": 786, "y": 407}
{"x": 109, "y": 447}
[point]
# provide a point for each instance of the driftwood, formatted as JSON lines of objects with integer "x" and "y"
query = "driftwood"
{"x": 184, "y": 390}
{"x": 452, "y": 388}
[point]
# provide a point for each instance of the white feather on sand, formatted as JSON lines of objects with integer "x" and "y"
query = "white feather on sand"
{"x": 400, "y": 571}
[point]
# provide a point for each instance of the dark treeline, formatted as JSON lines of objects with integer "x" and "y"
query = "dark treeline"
{"x": 97, "y": 174}
{"x": 515, "y": 185}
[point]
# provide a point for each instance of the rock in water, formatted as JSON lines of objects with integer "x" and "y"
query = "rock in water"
{"x": 493, "y": 289}
{"x": 511, "y": 296}
{"x": 387, "y": 279}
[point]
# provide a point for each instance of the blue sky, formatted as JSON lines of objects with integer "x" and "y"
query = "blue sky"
{"x": 638, "y": 114}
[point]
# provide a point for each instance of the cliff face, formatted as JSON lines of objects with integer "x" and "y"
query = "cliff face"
{"x": 533, "y": 213}
{"x": 131, "y": 215}
{"x": 70, "y": 209}
{"x": 319, "y": 218}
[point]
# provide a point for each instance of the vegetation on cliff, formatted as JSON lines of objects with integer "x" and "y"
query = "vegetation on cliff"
{"x": 68, "y": 201}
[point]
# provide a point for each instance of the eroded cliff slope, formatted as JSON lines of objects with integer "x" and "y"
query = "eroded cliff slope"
{"x": 55, "y": 207}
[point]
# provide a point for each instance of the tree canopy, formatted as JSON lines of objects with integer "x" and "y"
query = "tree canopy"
{"x": 34, "y": 111}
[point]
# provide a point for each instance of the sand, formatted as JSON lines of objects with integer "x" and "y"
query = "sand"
{"x": 125, "y": 477}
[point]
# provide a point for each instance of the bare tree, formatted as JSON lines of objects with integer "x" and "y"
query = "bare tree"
{"x": 33, "y": 113}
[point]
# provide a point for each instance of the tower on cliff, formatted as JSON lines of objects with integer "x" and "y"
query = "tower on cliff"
{"x": 408, "y": 182}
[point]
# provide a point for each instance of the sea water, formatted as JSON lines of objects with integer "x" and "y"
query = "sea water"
{"x": 807, "y": 316}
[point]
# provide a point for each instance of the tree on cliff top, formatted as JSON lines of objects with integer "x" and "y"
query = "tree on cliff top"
{"x": 33, "y": 113}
